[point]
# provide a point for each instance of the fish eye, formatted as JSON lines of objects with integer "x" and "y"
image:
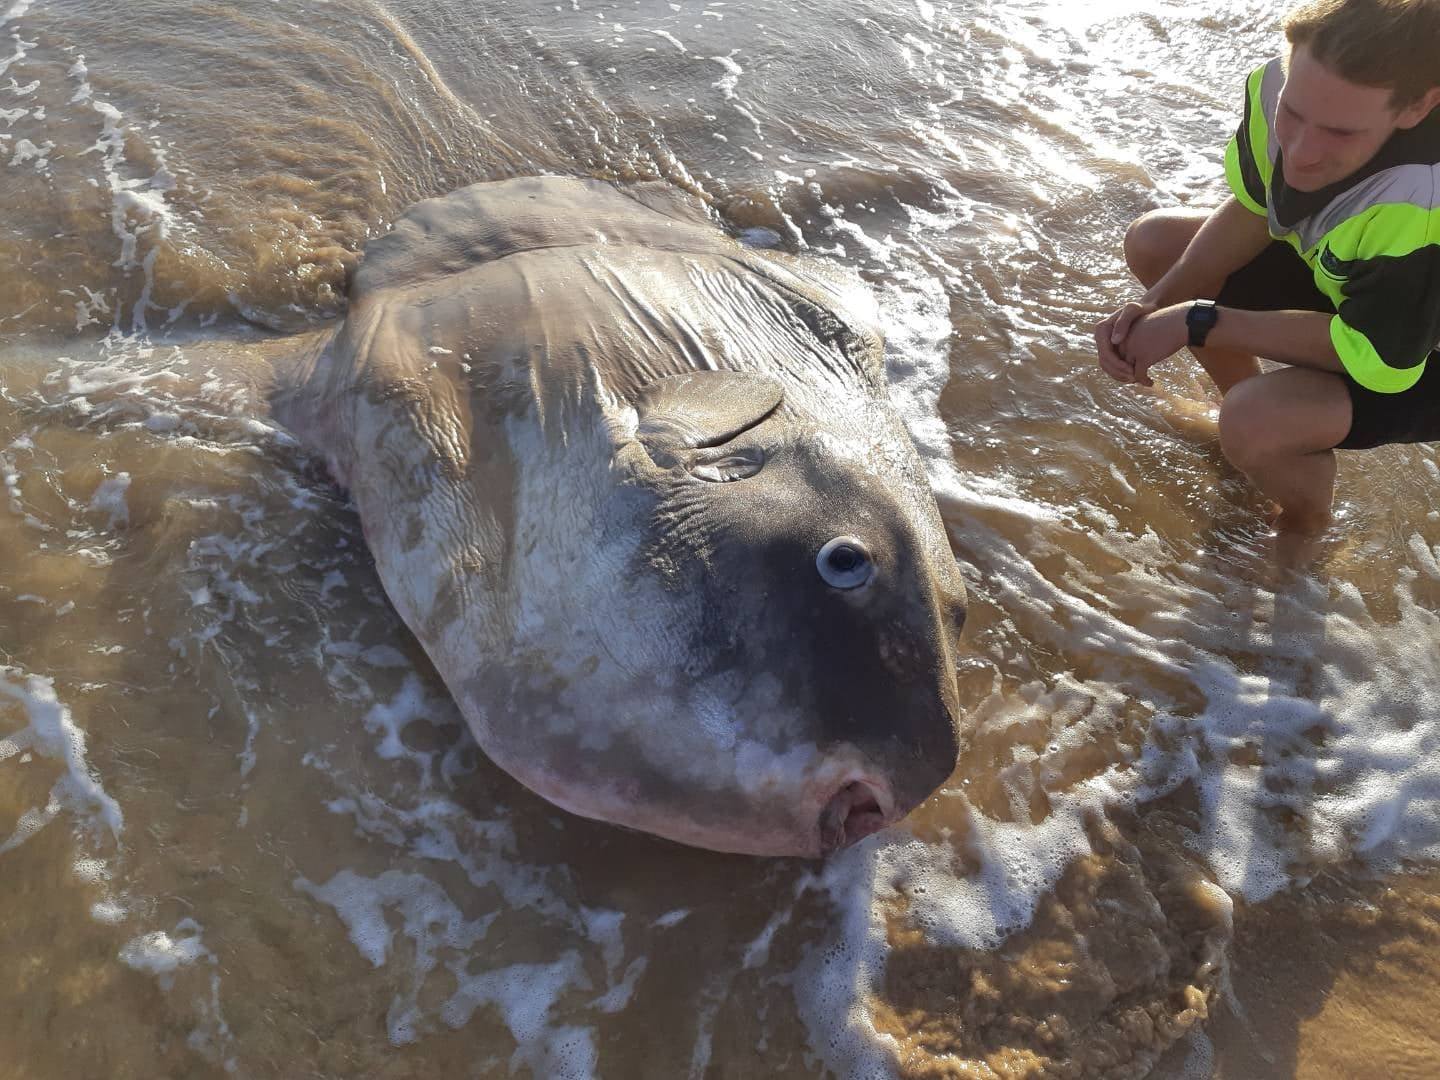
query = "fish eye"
{"x": 845, "y": 563}
{"x": 736, "y": 465}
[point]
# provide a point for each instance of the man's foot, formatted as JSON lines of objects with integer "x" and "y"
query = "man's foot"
{"x": 1303, "y": 523}
{"x": 1187, "y": 416}
{"x": 1301, "y": 539}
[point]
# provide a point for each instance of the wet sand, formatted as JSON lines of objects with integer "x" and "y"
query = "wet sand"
{"x": 243, "y": 830}
{"x": 1332, "y": 981}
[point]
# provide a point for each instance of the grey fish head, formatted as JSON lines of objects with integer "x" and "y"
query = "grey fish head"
{"x": 772, "y": 667}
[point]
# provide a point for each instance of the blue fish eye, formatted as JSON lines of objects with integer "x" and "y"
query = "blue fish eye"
{"x": 845, "y": 563}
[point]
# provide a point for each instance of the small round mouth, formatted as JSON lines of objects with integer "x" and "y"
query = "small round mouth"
{"x": 852, "y": 814}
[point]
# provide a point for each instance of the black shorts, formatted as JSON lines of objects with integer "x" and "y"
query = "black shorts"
{"x": 1278, "y": 280}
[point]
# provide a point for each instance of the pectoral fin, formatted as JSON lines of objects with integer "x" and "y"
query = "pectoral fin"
{"x": 700, "y": 410}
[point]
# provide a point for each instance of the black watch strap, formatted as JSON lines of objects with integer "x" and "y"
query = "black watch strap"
{"x": 1200, "y": 320}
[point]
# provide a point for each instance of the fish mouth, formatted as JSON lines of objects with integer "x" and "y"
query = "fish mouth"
{"x": 858, "y": 809}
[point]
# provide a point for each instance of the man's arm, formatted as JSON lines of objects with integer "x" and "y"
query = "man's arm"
{"x": 1298, "y": 338}
{"x": 1230, "y": 238}
{"x": 1388, "y": 322}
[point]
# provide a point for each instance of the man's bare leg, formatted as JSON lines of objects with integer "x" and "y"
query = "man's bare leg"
{"x": 1153, "y": 244}
{"x": 1280, "y": 430}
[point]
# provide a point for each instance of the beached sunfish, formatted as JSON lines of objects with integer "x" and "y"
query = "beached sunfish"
{"x": 640, "y": 494}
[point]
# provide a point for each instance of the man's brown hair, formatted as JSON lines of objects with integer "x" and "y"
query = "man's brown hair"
{"x": 1393, "y": 44}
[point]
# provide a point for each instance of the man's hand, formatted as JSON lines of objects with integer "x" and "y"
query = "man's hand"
{"x": 1155, "y": 336}
{"x": 1110, "y": 338}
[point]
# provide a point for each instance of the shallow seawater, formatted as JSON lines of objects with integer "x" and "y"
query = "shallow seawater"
{"x": 243, "y": 829}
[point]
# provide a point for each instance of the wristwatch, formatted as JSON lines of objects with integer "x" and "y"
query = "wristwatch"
{"x": 1200, "y": 320}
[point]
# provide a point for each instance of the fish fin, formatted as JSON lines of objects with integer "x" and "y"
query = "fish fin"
{"x": 700, "y": 410}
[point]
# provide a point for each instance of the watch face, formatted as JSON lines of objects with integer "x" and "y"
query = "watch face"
{"x": 1199, "y": 319}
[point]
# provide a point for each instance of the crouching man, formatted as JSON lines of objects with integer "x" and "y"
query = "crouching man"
{"x": 1325, "y": 258}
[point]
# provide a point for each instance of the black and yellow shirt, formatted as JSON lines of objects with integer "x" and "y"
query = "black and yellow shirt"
{"x": 1372, "y": 240}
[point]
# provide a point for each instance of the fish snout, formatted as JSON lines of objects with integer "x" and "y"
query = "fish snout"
{"x": 904, "y": 768}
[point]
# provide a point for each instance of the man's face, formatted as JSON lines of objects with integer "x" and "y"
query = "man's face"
{"x": 1329, "y": 127}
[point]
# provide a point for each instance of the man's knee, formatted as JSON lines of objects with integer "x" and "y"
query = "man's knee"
{"x": 1287, "y": 412}
{"x": 1155, "y": 241}
{"x": 1248, "y": 429}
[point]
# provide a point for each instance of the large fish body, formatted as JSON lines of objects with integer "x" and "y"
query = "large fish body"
{"x": 641, "y": 495}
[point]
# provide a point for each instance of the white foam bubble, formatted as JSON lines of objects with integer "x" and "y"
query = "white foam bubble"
{"x": 603, "y": 928}
{"x": 161, "y": 953}
{"x": 19, "y": 54}
{"x": 211, "y": 1037}
{"x": 388, "y": 719}
{"x": 619, "y": 994}
{"x": 711, "y": 998}
{"x": 525, "y": 995}
{"x": 376, "y": 910}
{"x": 428, "y": 917}
{"x": 731, "y": 79}
{"x": 168, "y": 955}
{"x": 52, "y": 732}
{"x": 15, "y": 11}
{"x": 27, "y": 153}
{"x": 110, "y": 912}
{"x": 757, "y": 953}
{"x": 1199, "y": 1063}
{"x": 109, "y": 498}
{"x": 140, "y": 214}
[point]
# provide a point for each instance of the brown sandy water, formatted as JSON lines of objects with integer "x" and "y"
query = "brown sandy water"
{"x": 1336, "y": 981}
{"x": 241, "y": 827}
